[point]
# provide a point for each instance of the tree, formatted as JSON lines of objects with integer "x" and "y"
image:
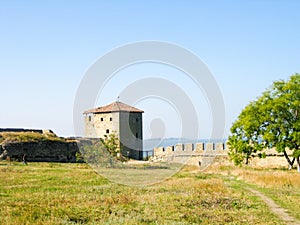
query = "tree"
{"x": 270, "y": 121}
{"x": 105, "y": 152}
{"x": 112, "y": 144}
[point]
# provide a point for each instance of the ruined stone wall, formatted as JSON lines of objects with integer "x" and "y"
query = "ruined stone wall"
{"x": 201, "y": 154}
{"x": 42, "y": 151}
{"x": 20, "y": 130}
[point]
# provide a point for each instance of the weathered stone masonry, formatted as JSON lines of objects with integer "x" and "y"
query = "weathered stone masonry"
{"x": 123, "y": 120}
{"x": 204, "y": 155}
{"x": 41, "y": 151}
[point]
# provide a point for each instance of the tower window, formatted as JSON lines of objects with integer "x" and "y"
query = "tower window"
{"x": 136, "y": 119}
{"x": 110, "y": 119}
{"x": 90, "y": 118}
{"x": 101, "y": 119}
{"x": 107, "y": 131}
{"x": 136, "y": 135}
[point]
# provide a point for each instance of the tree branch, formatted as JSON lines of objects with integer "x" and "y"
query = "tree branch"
{"x": 291, "y": 163}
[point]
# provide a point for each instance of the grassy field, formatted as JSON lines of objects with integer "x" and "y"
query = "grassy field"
{"x": 54, "y": 193}
{"x": 282, "y": 185}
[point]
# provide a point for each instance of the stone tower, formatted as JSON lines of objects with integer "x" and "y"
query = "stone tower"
{"x": 119, "y": 118}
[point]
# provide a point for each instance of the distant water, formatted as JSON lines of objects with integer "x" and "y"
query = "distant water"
{"x": 149, "y": 144}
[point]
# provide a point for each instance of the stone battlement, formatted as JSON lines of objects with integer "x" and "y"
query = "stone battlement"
{"x": 192, "y": 149}
{"x": 205, "y": 154}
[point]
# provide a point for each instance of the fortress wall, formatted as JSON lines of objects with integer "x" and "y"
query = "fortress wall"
{"x": 21, "y": 130}
{"x": 220, "y": 148}
{"x": 169, "y": 150}
{"x": 204, "y": 155}
{"x": 189, "y": 147}
{"x": 159, "y": 151}
{"x": 41, "y": 151}
{"x": 209, "y": 147}
{"x": 179, "y": 147}
{"x": 199, "y": 147}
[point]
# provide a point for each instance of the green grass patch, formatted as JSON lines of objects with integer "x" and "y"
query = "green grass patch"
{"x": 287, "y": 197}
{"x": 56, "y": 193}
{"x": 279, "y": 184}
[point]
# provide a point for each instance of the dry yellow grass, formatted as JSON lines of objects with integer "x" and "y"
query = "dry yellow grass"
{"x": 281, "y": 185}
{"x": 54, "y": 193}
{"x": 264, "y": 177}
{"x": 7, "y": 137}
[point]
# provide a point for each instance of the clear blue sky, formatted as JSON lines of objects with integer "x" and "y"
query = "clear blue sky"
{"x": 47, "y": 46}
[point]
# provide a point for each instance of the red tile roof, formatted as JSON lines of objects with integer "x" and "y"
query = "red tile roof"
{"x": 114, "y": 107}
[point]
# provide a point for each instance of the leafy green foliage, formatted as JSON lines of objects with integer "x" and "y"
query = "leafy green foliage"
{"x": 112, "y": 144}
{"x": 270, "y": 121}
{"x": 105, "y": 153}
{"x": 95, "y": 154}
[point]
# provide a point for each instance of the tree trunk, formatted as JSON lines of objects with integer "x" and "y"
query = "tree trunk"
{"x": 298, "y": 163}
{"x": 247, "y": 161}
{"x": 291, "y": 163}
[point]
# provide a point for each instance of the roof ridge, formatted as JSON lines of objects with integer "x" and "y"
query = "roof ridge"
{"x": 118, "y": 105}
{"x": 114, "y": 107}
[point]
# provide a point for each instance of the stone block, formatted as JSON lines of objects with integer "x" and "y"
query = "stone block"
{"x": 159, "y": 151}
{"x": 188, "y": 147}
{"x": 200, "y": 147}
{"x": 220, "y": 148}
{"x": 209, "y": 147}
{"x": 179, "y": 148}
{"x": 169, "y": 150}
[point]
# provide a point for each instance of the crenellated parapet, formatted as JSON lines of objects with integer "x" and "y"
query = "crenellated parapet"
{"x": 192, "y": 149}
{"x": 205, "y": 154}
{"x": 189, "y": 153}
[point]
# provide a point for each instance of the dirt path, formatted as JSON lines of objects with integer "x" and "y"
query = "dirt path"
{"x": 280, "y": 212}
